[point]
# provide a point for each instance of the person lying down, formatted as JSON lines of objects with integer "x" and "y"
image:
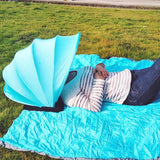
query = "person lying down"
{"x": 88, "y": 87}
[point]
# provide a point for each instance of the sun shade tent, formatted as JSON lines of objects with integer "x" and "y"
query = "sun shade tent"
{"x": 37, "y": 74}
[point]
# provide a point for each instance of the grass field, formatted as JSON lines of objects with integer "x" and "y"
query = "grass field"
{"x": 106, "y": 32}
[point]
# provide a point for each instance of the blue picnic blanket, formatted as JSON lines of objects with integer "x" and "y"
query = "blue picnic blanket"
{"x": 118, "y": 131}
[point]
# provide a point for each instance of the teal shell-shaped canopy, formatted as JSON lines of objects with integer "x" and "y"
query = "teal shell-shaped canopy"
{"x": 37, "y": 74}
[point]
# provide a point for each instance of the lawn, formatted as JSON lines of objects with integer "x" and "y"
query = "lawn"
{"x": 104, "y": 31}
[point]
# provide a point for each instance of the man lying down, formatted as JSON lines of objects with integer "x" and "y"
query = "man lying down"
{"x": 88, "y": 87}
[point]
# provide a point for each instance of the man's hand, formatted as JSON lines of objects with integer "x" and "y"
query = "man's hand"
{"x": 98, "y": 76}
{"x": 100, "y": 72}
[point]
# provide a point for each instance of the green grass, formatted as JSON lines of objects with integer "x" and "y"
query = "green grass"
{"x": 106, "y": 32}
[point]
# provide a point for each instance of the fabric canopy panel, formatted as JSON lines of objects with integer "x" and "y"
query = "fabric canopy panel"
{"x": 37, "y": 74}
{"x": 118, "y": 131}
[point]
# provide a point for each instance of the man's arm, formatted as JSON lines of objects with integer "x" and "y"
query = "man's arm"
{"x": 93, "y": 102}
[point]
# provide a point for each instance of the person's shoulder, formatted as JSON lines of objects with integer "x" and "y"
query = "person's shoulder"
{"x": 85, "y": 69}
{"x": 88, "y": 68}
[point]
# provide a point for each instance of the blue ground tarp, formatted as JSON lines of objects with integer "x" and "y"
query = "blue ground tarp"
{"x": 119, "y": 131}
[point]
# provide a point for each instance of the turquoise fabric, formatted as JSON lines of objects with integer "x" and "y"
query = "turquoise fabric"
{"x": 37, "y": 74}
{"x": 118, "y": 131}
